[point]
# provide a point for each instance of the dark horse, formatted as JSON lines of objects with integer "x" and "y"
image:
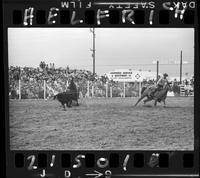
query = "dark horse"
{"x": 70, "y": 94}
{"x": 158, "y": 95}
{"x": 72, "y": 89}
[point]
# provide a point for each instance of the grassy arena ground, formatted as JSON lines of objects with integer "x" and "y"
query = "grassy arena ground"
{"x": 102, "y": 124}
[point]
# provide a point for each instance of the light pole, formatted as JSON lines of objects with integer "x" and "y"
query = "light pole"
{"x": 181, "y": 68}
{"x": 157, "y": 70}
{"x": 93, "y": 49}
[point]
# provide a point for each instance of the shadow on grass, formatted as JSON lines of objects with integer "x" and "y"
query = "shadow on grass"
{"x": 161, "y": 106}
{"x": 148, "y": 106}
{"x": 173, "y": 107}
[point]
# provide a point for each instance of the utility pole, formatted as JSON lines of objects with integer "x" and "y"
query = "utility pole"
{"x": 93, "y": 49}
{"x": 181, "y": 68}
{"x": 19, "y": 76}
{"x": 157, "y": 70}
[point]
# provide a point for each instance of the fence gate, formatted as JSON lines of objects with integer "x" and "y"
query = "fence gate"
{"x": 182, "y": 90}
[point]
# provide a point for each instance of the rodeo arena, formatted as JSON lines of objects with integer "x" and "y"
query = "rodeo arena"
{"x": 102, "y": 114}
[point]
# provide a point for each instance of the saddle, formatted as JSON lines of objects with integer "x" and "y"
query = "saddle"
{"x": 154, "y": 90}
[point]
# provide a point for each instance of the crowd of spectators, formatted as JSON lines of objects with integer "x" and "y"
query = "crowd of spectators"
{"x": 32, "y": 80}
{"x": 56, "y": 79}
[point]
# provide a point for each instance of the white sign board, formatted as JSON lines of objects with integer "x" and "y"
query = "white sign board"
{"x": 131, "y": 75}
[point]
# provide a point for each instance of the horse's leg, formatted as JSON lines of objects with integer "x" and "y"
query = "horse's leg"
{"x": 63, "y": 104}
{"x": 164, "y": 103}
{"x": 77, "y": 102}
{"x": 148, "y": 99}
{"x": 140, "y": 99}
{"x": 155, "y": 103}
{"x": 69, "y": 104}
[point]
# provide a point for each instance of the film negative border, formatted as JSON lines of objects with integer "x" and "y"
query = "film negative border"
{"x": 101, "y": 14}
{"x": 108, "y": 164}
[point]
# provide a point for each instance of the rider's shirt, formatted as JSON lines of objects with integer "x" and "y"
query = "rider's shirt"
{"x": 162, "y": 82}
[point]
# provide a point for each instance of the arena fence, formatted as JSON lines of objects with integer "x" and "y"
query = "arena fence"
{"x": 87, "y": 88}
{"x": 186, "y": 90}
{"x": 45, "y": 90}
{"x": 119, "y": 89}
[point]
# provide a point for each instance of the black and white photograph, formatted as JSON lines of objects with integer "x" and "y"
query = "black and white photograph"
{"x": 101, "y": 88}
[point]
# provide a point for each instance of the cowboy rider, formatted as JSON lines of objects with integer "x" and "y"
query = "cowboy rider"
{"x": 160, "y": 84}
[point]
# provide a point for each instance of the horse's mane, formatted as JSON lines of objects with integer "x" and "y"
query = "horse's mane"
{"x": 151, "y": 86}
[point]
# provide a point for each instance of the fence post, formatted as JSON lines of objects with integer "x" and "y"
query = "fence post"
{"x": 182, "y": 90}
{"x": 44, "y": 89}
{"x": 88, "y": 89}
{"x": 111, "y": 91}
{"x": 140, "y": 87}
{"x": 67, "y": 83}
{"x": 92, "y": 90}
{"x": 124, "y": 89}
{"x": 20, "y": 89}
{"x": 107, "y": 89}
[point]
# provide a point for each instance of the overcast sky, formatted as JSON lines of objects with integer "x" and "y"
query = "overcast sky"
{"x": 116, "y": 48}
